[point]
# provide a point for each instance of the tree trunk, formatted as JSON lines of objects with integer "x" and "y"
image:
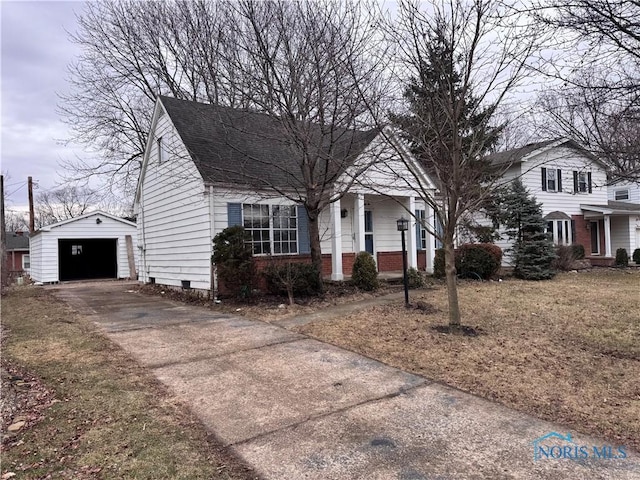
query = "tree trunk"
{"x": 316, "y": 252}
{"x": 452, "y": 284}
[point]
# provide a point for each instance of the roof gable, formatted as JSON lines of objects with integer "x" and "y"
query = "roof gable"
{"x": 81, "y": 217}
{"x": 230, "y": 146}
{"x": 523, "y": 154}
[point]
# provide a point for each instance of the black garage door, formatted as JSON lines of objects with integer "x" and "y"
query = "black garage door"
{"x": 81, "y": 259}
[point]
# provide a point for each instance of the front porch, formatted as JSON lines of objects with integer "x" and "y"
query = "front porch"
{"x": 606, "y": 228}
{"x": 368, "y": 222}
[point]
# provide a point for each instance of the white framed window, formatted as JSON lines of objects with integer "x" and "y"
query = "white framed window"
{"x": 273, "y": 228}
{"x": 551, "y": 180}
{"x": 26, "y": 262}
{"x": 621, "y": 195}
{"x": 76, "y": 249}
{"x": 285, "y": 229}
{"x": 560, "y": 231}
{"x": 583, "y": 183}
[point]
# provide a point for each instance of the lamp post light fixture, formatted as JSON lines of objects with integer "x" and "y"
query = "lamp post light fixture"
{"x": 403, "y": 226}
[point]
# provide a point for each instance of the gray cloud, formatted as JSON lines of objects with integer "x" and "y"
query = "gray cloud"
{"x": 35, "y": 53}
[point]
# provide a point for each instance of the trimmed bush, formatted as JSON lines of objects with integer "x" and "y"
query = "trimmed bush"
{"x": 578, "y": 251}
{"x": 414, "y": 278}
{"x": 475, "y": 260}
{"x": 292, "y": 279}
{"x": 233, "y": 257}
{"x": 622, "y": 257}
{"x": 364, "y": 274}
{"x": 438, "y": 264}
{"x": 636, "y": 256}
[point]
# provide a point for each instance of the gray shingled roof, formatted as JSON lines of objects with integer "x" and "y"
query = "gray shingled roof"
{"x": 517, "y": 154}
{"x": 232, "y": 146}
{"x": 17, "y": 242}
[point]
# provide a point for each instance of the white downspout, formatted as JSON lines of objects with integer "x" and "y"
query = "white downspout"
{"x": 212, "y": 233}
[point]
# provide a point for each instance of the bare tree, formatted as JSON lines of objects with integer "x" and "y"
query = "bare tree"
{"x": 307, "y": 64}
{"x": 64, "y": 203}
{"x": 303, "y": 63}
{"x": 598, "y": 99}
{"x": 131, "y": 53}
{"x": 608, "y": 127}
{"x": 460, "y": 61}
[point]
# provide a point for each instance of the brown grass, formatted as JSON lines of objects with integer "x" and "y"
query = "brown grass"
{"x": 566, "y": 350}
{"x": 109, "y": 419}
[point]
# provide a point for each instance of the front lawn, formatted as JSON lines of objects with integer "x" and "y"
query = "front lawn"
{"x": 84, "y": 409}
{"x": 566, "y": 350}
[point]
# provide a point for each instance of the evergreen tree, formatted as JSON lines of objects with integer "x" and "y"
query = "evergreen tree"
{"x": 532, "y": 250}
{"x": 450, "y": 131}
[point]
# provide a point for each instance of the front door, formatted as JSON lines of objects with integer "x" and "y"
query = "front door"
{"x": 368, "y": 231}
{"x": 595, "y": 239}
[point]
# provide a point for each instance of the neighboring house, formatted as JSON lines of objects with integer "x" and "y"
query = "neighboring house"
{"x": 91, "y": 246}
{"x": 202, "y": 172}
{"x": 18, "y": 258}
{"x": 624, "y": 191}
{"x": 571, "y": 185}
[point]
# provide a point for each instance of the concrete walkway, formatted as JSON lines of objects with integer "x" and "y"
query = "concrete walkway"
{"x": 296, "y": 408}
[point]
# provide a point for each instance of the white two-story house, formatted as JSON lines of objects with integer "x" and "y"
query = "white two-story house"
{"x": 571, "y": 185}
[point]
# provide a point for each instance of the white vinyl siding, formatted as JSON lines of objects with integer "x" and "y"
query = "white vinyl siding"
{"x": 176, "y": 239}
{"x": 631, "y": 189}
{"x": 44, "y": 244}
{"x": 567, "y": 160}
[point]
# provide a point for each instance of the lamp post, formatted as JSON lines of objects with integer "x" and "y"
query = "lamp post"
{"x": 403, "y": 226}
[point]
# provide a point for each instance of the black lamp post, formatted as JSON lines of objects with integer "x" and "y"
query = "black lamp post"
{"x": 403, "y": 226}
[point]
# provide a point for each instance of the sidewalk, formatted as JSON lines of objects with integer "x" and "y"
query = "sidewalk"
{"x": 296, "y": 408}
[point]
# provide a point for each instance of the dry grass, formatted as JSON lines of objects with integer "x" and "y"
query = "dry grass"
{"x": 566, "y": 350}
{"x": 109, "y": 417}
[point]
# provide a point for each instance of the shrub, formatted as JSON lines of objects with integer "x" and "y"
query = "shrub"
{"x": 565, "y": 258}
{"x": 438, "y": 264}
{"x": 292, "y": 279}
{"x": 365, "y": 274}
{"x": 478, "y": 260}
{"x": 233, "y": 257}
{"x": 414, "y": 278}
{"x": 578, "y": 251}
{"x": 636, "y": 255}
{"x": 622, "y": 257}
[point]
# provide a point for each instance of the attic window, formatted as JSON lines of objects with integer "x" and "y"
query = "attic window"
{"x": 160, "y": 151}
{"x": 622, "y": 195}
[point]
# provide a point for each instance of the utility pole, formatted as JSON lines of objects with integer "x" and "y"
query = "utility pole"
{"x": 31, "y": 215}
{"x": 3, "y": 239}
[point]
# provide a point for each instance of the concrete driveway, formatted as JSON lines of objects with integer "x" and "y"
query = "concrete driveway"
{"x": 295, "y": 408}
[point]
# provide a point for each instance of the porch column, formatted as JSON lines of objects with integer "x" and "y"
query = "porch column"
{"x": 412, "y": 247}
{"x": 358, "y": 211}
{"x": 607, "y": 236}
{"x": 431, "y": 240}
{"x": 336, "y": 241}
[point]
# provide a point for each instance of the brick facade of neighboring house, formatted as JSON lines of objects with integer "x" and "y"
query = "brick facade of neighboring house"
{"x": 18, "y": 261}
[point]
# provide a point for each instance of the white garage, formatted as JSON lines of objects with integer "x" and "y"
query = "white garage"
{"x": 93, "y": 246}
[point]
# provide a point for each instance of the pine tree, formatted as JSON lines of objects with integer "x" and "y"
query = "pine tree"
{"x": 532, "y": 250}
{"x": 450, "y": 131}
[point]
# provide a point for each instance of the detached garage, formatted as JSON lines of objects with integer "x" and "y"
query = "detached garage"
{"x": 92, "y": 246}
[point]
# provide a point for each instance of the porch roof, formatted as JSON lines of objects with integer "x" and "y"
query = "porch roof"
{"x": 613, "y": 208}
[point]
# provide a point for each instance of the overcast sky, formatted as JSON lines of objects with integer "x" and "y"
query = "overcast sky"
{"x": 35, "y": 53}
